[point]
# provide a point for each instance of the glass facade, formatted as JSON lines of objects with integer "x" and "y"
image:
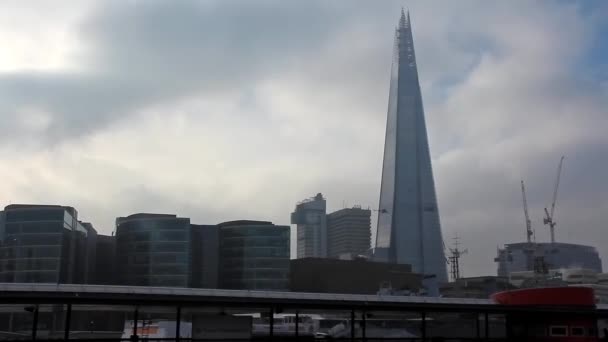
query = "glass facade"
{"x": 205, "y": 255}
{"x": 254, "y": 255}
{"x": 44, "y": 244}
{"x": 153, "y": 250}
{"x": 311, "y": 220}
{"x": 409, "y": 230}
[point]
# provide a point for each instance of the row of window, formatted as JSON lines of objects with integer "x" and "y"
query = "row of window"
{"x": 19, "y": 252}
{"x": 254, "y": 232}
{"x": 175, "y": 269}
{"x": 36, "y": 215}
{"x": 256, "y": 263}
{"x": 255, "y": 284}
{"x": 31, "y": 277}
{"x": 34, "y": 227}
{"x": 152, "y": 226}
{"x": 562, "y": 330}
{"x": 154, "y": 247}
{"x": 155, "y": 235}
{"x": 255, "y": 274}
{"x": 255, "y": 252}
{"x": 33, "y": 239}
{"x": 158, "y": 280}
{"x": 29, "y": 264}
{"x": 145, "y": 259}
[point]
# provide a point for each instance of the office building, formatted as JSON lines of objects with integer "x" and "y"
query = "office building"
{"x": 88, "y": 248}
{"x": 153, "y": 250}
{"x": 205, "y": 256}
{"x": 409, "y": 231}
{"x": 105, "y": 263}
{"x": 524, "y": 256}
{"x": 46, "y": 244}
{"x": 311, "y": 227}
{"x": 359, "y": 276}
{"x": 254, "y": 255}
{"x": 348, "y": 232}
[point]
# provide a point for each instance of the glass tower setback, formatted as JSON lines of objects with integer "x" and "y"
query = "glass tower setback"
{"x": 409, "y": 230}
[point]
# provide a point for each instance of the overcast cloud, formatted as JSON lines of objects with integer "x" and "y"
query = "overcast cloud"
{"x": 220, "y": 110}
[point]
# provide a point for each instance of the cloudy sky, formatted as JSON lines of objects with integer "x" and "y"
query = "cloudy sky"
{"x": 220, "y": 110}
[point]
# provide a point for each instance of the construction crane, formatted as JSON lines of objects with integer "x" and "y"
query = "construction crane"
{"x": 549, "y": 218}
{"x": 529, "y": 232}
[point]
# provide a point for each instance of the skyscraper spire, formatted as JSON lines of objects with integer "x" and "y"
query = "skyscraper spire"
{"x": 403, "y": 21}
{"x": 409, "y": 231}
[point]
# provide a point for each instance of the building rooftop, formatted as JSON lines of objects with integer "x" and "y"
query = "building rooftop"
{"x": 246, "y": 223}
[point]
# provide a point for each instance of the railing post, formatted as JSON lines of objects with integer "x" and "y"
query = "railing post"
{"x": 477, "y": 327}
{"x": 352, "y": 325}
{"x": 68, "y": 318}
{"x": 271, "y": 323}
{"x": 134, "y": 336}
{"x": 297, "y": 325}
{"x": 35, "y": 322}
{"x": 178, "y": 318}
{"x": 363, "y": 326}
{"x": 423, "y": 325}
{"x": 487, "y": 326}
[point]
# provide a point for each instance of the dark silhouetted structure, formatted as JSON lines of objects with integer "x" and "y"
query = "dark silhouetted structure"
{"x": 358, "y": 276}
{"x": 205, "y": 256}
{"x": 475, "y": 287}
{"x": 106, "y": 260}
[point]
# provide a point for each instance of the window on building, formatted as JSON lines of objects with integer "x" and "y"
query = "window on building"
{"x": 577, "y": 331}
{"x": 558, "y": 330}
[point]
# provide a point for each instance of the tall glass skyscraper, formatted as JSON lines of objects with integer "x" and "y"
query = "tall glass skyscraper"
{"x": 409, "y": 231}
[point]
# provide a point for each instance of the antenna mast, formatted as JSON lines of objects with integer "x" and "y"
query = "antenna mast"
{"x": 454, "y": 259}
{"x": 549, "y": 218}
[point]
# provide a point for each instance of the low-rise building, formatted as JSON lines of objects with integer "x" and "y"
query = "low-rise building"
{"x": 475, "y": 287}
{"x": 359, "y": 276}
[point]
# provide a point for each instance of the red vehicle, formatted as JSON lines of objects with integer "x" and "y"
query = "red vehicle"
{"x": 557, "y": 325}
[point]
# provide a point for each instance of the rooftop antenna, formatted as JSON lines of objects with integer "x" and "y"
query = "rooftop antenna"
{"x": 454, "y": 259}
{"x": 549, "y": 218}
